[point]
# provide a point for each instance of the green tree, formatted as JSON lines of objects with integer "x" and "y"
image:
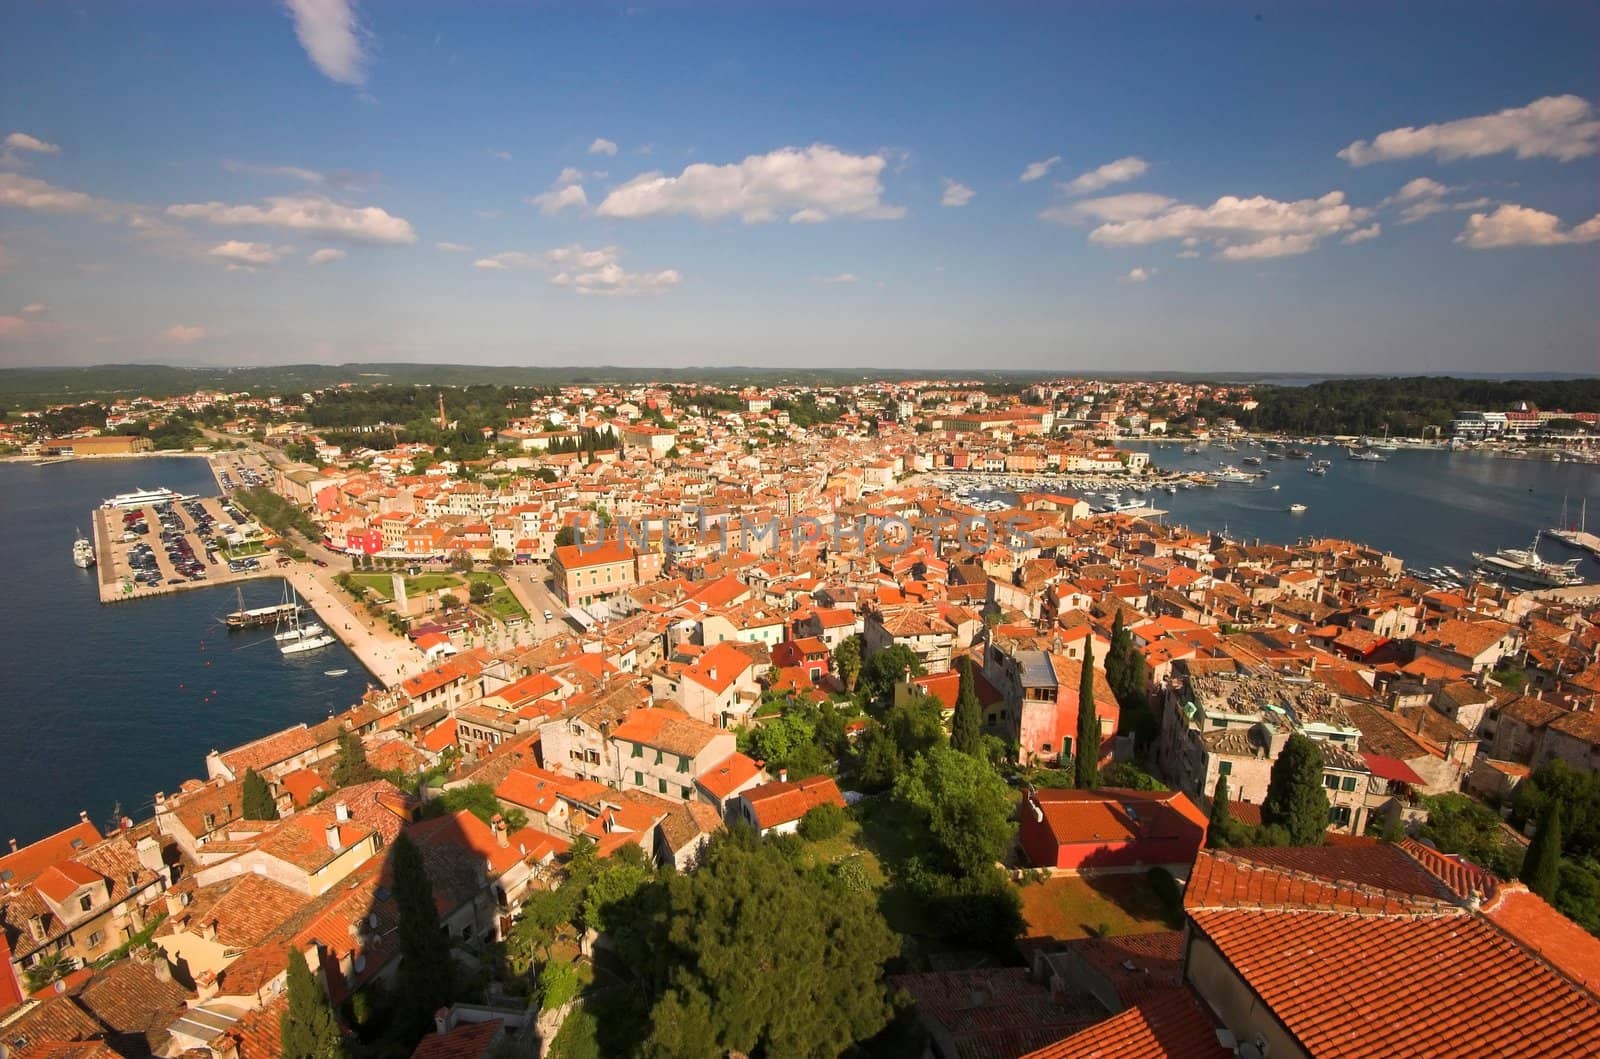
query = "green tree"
{"x": 1221, "y": 816}
{"x": 1541, "y": 868}
{"x": 847, "y": 661}
{"x": 880, "y": 759}
{"x": 1117, "y": 655}
{"x": 352, "y": 765}
{"x": 759, "y": 956}
{"x": 257, "y": 797}
{"x": 1579, "y": 794}
{"x": 1295, "y": 798}
{"x": 307, "y": 1028}
{"x": 47, "y": 969}
{"x": 879, "y": 673}
{"x": 822, "y": 822}
{"x": 480, "y": 592}
{"x": 427, "y": 970}
{"x": 1578, "y": 895}
{"x": 565, "y": 537}
{"x": 966, "y": 734}
{"x": 965, "y": 806}
{"x": 620, "y": 876}
{"x": 1086, "y": 753}
{"x": 1458, "y": 824}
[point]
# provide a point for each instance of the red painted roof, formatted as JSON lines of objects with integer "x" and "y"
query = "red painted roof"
{"x": 1392, "y": 768}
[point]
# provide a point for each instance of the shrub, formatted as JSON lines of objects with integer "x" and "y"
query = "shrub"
{"x": 558, "y": 984}
{"x": 822, "y": 822}
{"x": 1166, "y": 888}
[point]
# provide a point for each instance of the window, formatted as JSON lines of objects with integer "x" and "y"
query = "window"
{"x": 638, "y": 750}
{"x": 1225, "y": 768}
{"x": 658, "y": 757}
{"x": 95, "y": 939}
{"x": 86, "y": 902}
{"x": 638, "y": 779}
{"x": 686, "y": 793}
{"x": 1045, "y": 748}
{"x": 1330, "y": 781}
{"x": 683, "y": 764}
{"x": 661, "y": 785}
{"x": 1348, "y": 784}
{"x": 1339, "y": 815}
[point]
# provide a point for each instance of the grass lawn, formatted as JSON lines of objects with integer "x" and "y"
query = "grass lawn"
{"x": 847, "y": 843}
{"x": 383, "y": 584}
{"x": 502, "y": 604}
{"x": 1067, "y": 907}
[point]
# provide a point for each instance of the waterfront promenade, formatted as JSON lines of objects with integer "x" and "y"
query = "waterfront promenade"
{"x": 389, "y": 657}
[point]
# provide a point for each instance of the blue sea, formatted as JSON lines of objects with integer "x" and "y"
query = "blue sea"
{"x": 104, "y": 705}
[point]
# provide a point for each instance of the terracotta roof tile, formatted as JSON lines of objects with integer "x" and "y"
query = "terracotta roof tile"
{"x": 1170, "y": 1023}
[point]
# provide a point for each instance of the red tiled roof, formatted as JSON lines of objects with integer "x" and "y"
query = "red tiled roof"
{"x": 1558, "y": 940}
{"x": 26, "y": 863}
{"x": 470, "y": 1040}
{"x": 1391, "y": 768}
{"x": 728, "y": 775}
{"x": 1170, "y": 1023}
{"x": 1444, "y": 984}
{"x": 780, "y": 803}
{"x": 1233, "y": 880}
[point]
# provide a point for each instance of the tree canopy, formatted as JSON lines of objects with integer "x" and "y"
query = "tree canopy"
{"x": 879, "y": 673}
{"x": 1086, "y": 752}
{"x": 1295, "y": 798}
{"x": 752, "y": 954}
{"x": 307, "y": 1028}
{"x": 966, "y": 734}
{"x": 965, "y": 805}
{"x": 257, "y": 798}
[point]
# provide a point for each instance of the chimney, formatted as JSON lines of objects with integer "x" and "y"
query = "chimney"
{"x": 13, "y": 845}
{"x": 341, "y": 812}
{"x": 174, "y": 903}
{"x": 205, "y": 985}
{"x": 226, "y": 1046}
{"x": 333, "y": 837}
{"x": 36, "y": 927}
{"x": 149, "y": 851}
{"x": 783, "y": 775}
{"x": 208, "y": 930}
{"x": 83, "y": 815}
{"x": 441, "y": 1021}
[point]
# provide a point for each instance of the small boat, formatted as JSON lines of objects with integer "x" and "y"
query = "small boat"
{"x": 1297, "y": 509}
{"x": 334, "y": 672}
{"x": 1251, "y": 461}
{"x": 299, "y": 632}
{"x": 1273, "y": 488}
{"x": 82, "y": 552}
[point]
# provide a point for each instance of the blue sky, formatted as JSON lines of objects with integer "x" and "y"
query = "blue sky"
{"x": 1213, "y": 187}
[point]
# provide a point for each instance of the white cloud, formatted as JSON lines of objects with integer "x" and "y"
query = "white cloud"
{"x": 453, "y": 248}
{"x": 572, "y": 175}
{"x": 552, "y": 202}
{"x": 956, "y": 194}
{"x": 1512, "y": 225}
{"x": 239, "y": 254}
{"x": 1361, "y": 235}
{"x": 1140, "y": 274}
{"x": 843, "y": 277}
{"x": 1120, "y": 171}
{"x": 601, "y": 145}
{"x": 34, "y": 308}
{"x": 309, "y": 176}
{"x": 1561, "y": 127}
{"x": 1424, "y": 197}
{"x": 21, "y": 141}
{"x": 325, "y": 256}
{"x": 1039, "y": 170}
{"x": 30, "y": 194}
{"x": 183, "y": 334}
{"x": 313, "y": 215}
{"x": 1128, "y": 207}
{"x": 1239, "y": 229}
{"x": 812, "y": 184}
{"x": 332, "y": 37}
{"x": 586, "y": 271}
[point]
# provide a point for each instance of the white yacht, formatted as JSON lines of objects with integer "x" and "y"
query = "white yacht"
{"x": 144, "y": 498}
{"x": 82, "y": 552}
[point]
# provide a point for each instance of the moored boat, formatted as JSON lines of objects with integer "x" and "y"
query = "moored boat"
{"x": 82, "y": 552}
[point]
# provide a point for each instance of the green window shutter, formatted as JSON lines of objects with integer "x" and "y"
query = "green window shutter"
{"x": 638, "y": 750}
{"x": 638, "y": 779}
{"x": 683, "y": 764}
{"x": 1225, "y": 768}
{"x": 662, "y": 786}
{"x": 658, "y": 757}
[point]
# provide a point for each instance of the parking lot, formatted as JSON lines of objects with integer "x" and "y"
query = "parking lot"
{"x": 164, "y": 547}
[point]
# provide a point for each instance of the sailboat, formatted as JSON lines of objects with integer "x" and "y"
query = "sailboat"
{"x": 1578, "y": 537}
{"x": 298, "y": 638}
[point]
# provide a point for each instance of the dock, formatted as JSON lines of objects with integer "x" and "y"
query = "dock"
{"x": 116, "y": 573}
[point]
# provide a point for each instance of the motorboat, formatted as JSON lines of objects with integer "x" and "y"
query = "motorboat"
{"x": 82, "y": 552}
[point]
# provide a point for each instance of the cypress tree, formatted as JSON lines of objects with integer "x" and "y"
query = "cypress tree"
{"x": 1541, "y": 867}
{"x": 258, "y": 803}
{"x": 307, "y": 1028}
{"x": 965, "y": 734}
{"x": 1221, "y": 816}
{"x": 426, "y": 970}
{"x": 1295, "y": 800}
{"x": 1117, "y": 656}
{"x": 1086, "y": 760}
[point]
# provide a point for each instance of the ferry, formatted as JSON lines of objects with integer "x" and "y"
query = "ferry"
{"x": 1527, "y": 567}
{"x": 144, "y": 498}
{"x": 82, "y": 552}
